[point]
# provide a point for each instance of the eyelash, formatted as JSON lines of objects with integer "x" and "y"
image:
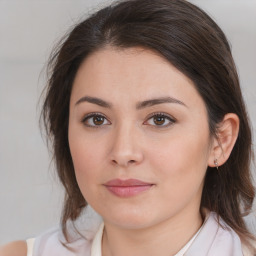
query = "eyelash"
{"x": 153, "y": 115}
{"x": 161, "y": 115}
{"x": 91, "y": 115}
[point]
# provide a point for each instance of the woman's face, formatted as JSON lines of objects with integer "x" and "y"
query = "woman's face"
{"x": 139, "y": 138}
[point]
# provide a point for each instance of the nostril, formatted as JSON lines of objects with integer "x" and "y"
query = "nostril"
{"x": 114, "y": 161}
{"x": 124, "y": 163}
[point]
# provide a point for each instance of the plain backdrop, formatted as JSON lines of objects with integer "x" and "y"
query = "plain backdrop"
{"x": 30, "y": 195}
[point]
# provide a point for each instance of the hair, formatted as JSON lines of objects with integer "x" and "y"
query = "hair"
{"x": 191, "y": 41}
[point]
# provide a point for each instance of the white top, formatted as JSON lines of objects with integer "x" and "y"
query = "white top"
{"x": 215, "y": 238}
{"x": 96, "y": 243}
{"x": 30, "y": 245}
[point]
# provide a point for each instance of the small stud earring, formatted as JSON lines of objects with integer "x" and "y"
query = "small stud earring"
{"x": 216, "y": 164}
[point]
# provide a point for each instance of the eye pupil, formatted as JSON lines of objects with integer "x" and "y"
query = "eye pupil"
{"x": 98, "y": 120}
{"x": 159, "y": 120}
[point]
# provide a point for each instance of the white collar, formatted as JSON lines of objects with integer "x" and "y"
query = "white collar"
{"x": 96, "y": 243}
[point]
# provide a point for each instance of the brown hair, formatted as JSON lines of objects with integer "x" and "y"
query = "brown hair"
{"x": 189, "y": 39}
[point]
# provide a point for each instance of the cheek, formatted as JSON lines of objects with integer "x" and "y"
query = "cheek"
{"x": 180, "y": 172}
{"x": 85, "y": 156}
{"x": 85, "y": 150}
{"x": 85, "y": 164}
{"x": 181, "y": 160}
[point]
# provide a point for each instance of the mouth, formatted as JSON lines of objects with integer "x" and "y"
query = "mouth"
{"x": 127, "y": 188}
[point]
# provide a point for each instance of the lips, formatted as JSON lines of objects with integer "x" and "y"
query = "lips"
{"x": 127, "y": 188}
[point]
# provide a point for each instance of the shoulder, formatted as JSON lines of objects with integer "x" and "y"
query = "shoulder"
{"x": 216, "y": 238}
{"x": 80, "y": 234}
{"x": 17, "y": 248}
{"x": 53, "y": 242}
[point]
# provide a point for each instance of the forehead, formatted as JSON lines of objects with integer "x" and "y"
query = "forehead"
{"x": 133, "y": 73}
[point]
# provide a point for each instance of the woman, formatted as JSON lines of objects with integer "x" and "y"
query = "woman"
{"x": 149, "y": 128}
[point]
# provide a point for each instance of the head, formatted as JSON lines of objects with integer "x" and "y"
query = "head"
{"x": 186, "y": 41}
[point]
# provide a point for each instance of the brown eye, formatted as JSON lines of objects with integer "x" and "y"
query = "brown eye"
{"x": 159, "y": 120}
{"x": 95, "y": 120}
{"x": 98, "y": 120}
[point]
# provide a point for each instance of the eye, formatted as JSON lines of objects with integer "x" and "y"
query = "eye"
{"x": 94, "y": 120}
{"x": 160, "y": 119}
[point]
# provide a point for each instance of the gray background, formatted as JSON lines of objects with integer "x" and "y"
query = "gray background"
{"x": 30, "y": 195}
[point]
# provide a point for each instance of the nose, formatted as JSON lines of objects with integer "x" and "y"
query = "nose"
{"x": 126, "y": 150}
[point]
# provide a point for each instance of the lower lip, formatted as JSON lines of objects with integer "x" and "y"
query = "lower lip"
{"x": 123, "y": 191}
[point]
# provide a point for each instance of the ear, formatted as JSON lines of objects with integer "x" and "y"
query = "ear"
{"x": 223, "y": 143}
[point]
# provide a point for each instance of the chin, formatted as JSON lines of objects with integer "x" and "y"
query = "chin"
{"x": 130, "y": 219}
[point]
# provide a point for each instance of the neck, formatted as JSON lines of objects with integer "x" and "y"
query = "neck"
{"x": 165, "y": 238}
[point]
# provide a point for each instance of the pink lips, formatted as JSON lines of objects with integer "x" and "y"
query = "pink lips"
{"x": 127, "y": 188}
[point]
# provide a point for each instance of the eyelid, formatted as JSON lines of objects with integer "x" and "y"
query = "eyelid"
{"x": 167, "y": 116}
{"x": 162, "y": 114}
{"x": 92, "y": 114}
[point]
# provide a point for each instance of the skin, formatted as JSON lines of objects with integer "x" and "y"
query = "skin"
{"x": 171, "y": 153}
{"x": 128, "y": 143}
{"x": 18, "y": 248}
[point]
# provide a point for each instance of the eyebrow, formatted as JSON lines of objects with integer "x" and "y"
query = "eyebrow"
{"x": 139, "y": 105}
{"x": 152, "y": 102}
{"x": 94, "y": 100}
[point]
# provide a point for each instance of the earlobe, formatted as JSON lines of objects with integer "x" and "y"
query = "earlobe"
{"x": 227, "y": 132}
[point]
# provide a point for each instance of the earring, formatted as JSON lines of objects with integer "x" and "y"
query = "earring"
{"x": 216, "y": 164}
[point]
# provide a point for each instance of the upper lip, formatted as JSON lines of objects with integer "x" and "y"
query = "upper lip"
{"x": 126, "y": 183}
